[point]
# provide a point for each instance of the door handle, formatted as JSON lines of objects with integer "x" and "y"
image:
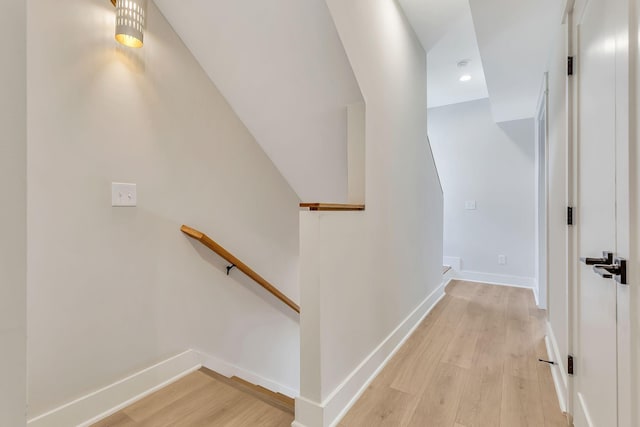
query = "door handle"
{"x": 617, "y": 270}
{"x": 607, "y": 258}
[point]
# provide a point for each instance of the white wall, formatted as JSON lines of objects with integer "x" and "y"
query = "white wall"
{"x": 282, "y": 68}
{"x": 493, "y": 165}
{"x": 557, "y": 218}
{"x": 13, "y": 214}
{"x": 367, "y": 277}
{"x": 114, "y": 290}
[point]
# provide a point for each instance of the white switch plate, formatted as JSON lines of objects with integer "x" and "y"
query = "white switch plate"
{"x": 502, "y": 259}
{"x": 123, "y": 194}
{"x": 470, "y": 205}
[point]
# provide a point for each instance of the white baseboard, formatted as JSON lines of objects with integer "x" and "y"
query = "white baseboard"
{"x": 100, "y": 404}
{"x": 496, "y": 279}
{"x": 558, "y": 371}
{"x": 448, "y": 276}
{"x": 582, "y": 416}
{"x": 335, "y": 407}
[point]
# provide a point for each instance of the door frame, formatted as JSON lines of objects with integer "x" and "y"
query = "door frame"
{"x": 627, "y": 188}
{"x": 542, "y": 195}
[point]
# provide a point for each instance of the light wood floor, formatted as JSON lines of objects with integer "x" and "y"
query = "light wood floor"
{"x": 473, "y": 362}
{"x": 202, "y": 398}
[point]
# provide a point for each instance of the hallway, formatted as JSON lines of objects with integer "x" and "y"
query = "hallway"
{"x": 471, "y": 363}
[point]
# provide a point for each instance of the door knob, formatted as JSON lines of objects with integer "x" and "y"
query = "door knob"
{"x": 617, "y": 270}
{"x": 607, "y": 258}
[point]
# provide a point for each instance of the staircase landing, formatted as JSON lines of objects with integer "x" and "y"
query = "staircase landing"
{"x": 205, "y": 398}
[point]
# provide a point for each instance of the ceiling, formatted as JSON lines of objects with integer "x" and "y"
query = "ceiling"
{"x": 443, "y": 73}
{"x": 515, "y": 39}
{"x": 281, "y": 66}
{"x": 432, "y": 19}
{"x": 508, "y": 42}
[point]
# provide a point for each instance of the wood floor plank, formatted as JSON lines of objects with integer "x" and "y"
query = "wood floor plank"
{"x": 384, "y": 407}
{"x": 439, "y": 404}
{"x": 521, "y": 355}
{"x": 147, "y": 407}
{"x": 481, "y": 400}
{"x": 414, "y": 374}
{"x": 196, "y": 405}
{"x": 247, "y": 412}
{"x": 119, "y": 419}
{"x": 553, "y": 415}
{"x": 521, "y": 403}
{"x": 461, "y": 348}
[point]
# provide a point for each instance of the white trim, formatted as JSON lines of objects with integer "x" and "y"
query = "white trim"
{"x": 448, "y": 276}
{"x": 583, "y": 413}
{"x": 558, "y": 371}
{"x": 496, "y": 279}
{"x": 500, "y": 280}
{"x": 542, "y": 203}
{"x": 337, "y": 404}
{"x": 108, "y": 400}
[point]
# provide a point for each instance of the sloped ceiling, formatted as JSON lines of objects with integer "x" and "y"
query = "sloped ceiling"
{"x": 432, "y": 19}
{"x": 515, "y": 39}
{"x": 282, "y": 68}
{"x": 443, "y": 73}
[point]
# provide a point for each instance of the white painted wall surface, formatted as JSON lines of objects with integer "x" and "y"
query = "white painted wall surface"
{"x": 557, "y": 169}
{"x": 493, "y": 165}
{"x": 282, "y": 68}
{"x": 356, "y": 144}
{"x": 13, "y": 187}
{"x": 365, "y": 274}
{"x": 112, "y": 291}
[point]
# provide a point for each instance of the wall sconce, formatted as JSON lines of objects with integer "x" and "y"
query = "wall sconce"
{"x": 130, "y": 21}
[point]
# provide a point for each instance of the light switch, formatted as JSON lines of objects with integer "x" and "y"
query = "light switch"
{"x": 470, "y": 205}
{"x": 502, "y": 259}
{"x": 123, "y": 194}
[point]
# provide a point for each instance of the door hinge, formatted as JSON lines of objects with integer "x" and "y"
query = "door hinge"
{"x": 570, "y": 364}
{"x": 570, "y": 215}
{"x": 570, "y": 65}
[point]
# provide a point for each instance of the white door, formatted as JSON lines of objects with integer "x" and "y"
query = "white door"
{"x": 599, "y": 86}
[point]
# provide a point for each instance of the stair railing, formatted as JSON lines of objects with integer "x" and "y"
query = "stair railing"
{"x": 236, "y": 263}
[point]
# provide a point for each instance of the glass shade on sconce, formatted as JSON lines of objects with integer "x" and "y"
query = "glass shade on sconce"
{"x": 130, "y": 21}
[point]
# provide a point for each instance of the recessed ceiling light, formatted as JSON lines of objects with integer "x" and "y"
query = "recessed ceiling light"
{"x": 463, "y": 63}
{"x": 465, "y": 78}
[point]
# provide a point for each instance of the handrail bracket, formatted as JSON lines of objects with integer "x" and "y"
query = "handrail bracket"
{"x": 230, "y": 267}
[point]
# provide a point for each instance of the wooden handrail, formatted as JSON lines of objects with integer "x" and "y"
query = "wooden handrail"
{"x": 215, "y": 247}
{"x": 331, "y": 207}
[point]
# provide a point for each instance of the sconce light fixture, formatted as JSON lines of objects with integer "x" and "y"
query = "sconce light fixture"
{"x": 130, "y": 21}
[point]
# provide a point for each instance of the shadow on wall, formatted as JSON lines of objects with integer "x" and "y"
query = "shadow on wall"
{"x": 522, "y": 134}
